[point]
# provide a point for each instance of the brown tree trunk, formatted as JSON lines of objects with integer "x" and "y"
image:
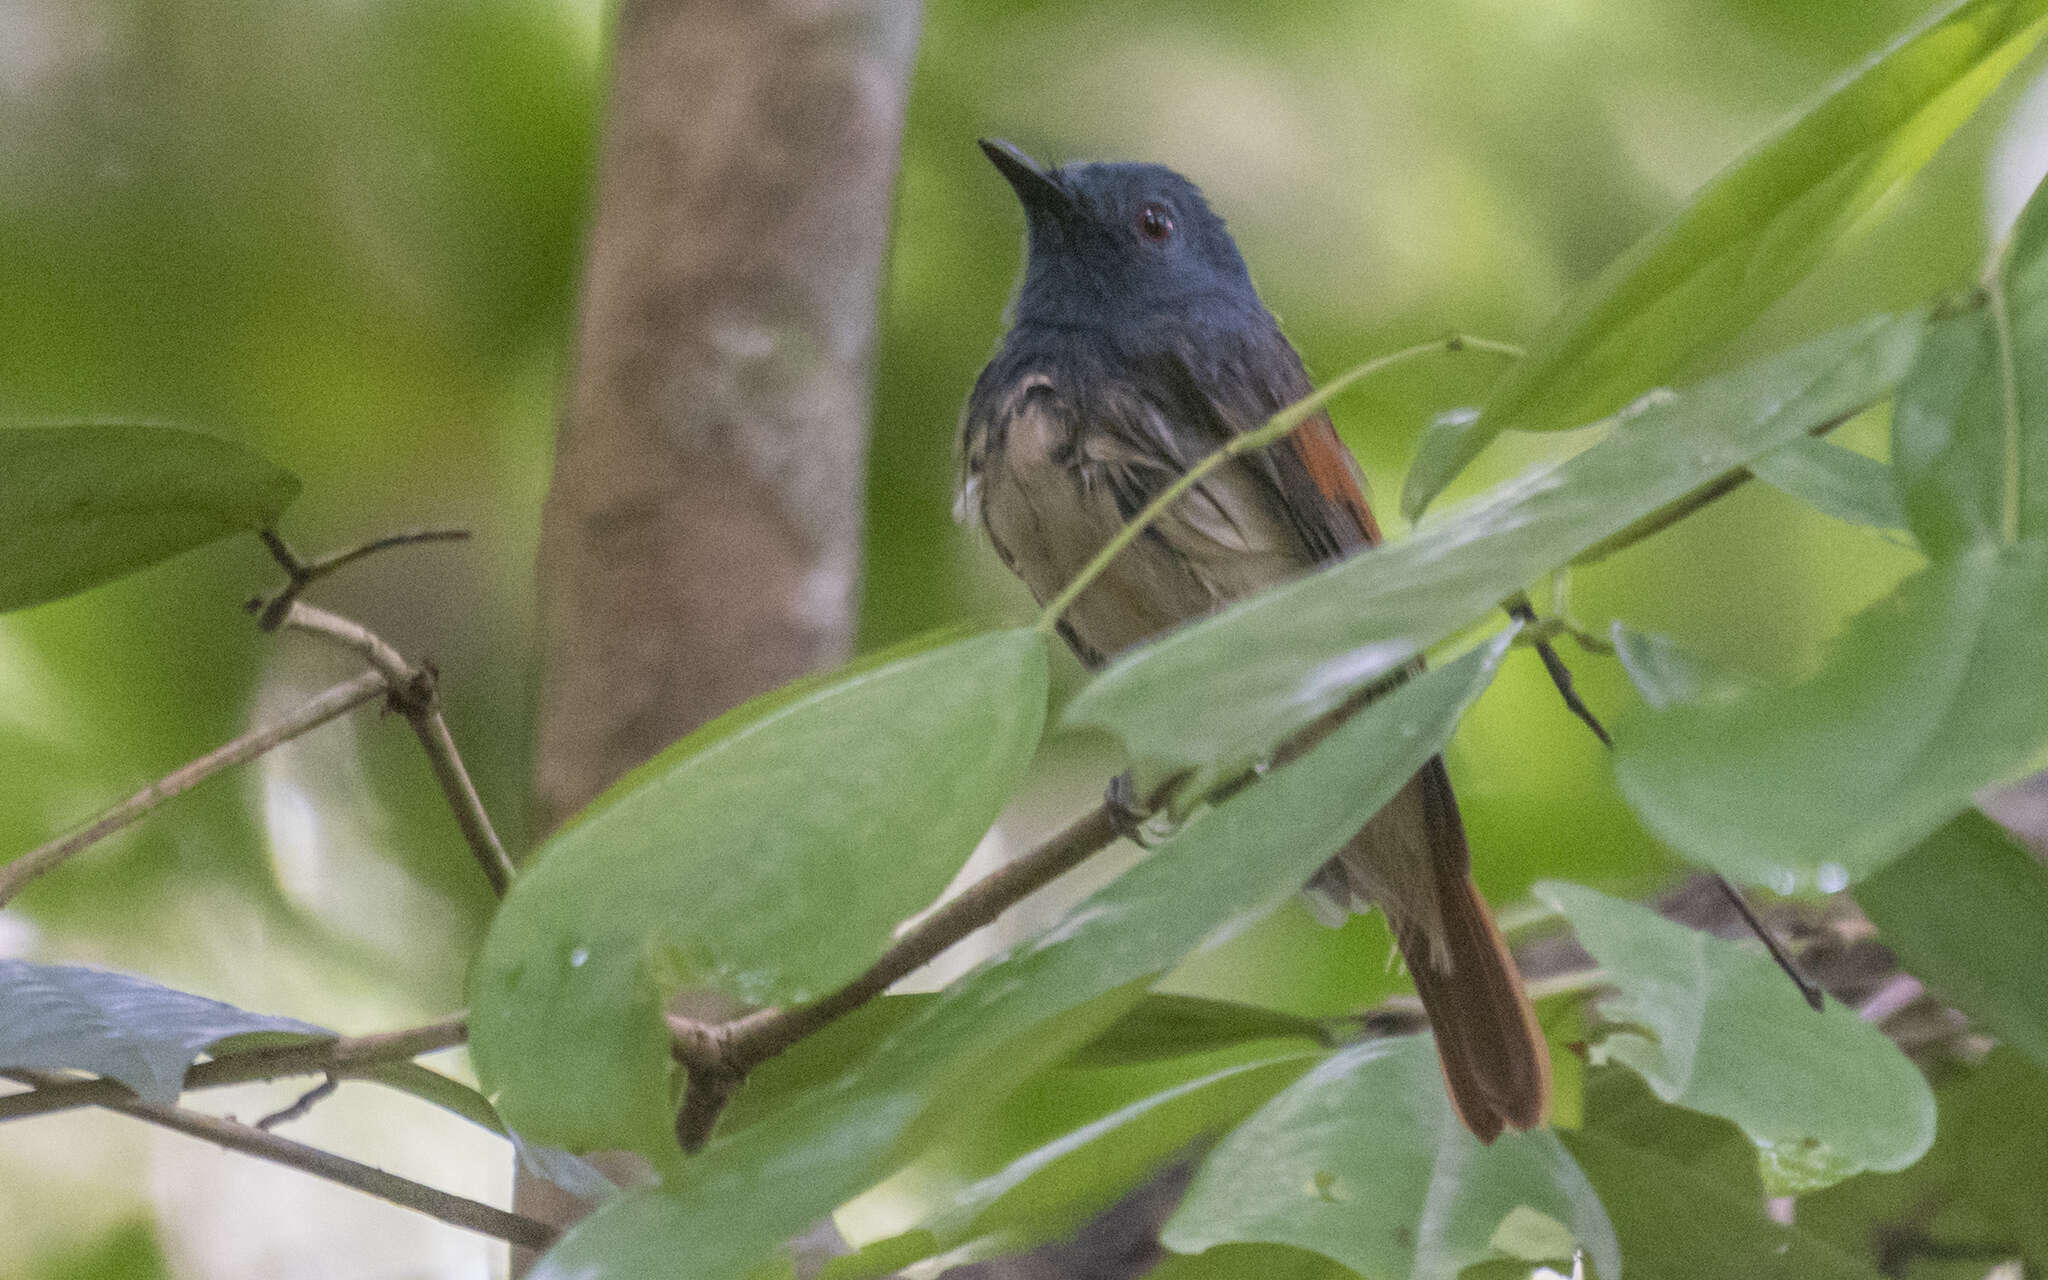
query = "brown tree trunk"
{"x": 701, "y": 540}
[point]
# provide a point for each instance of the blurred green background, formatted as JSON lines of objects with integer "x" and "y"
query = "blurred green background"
{"x": 348, "y": 234}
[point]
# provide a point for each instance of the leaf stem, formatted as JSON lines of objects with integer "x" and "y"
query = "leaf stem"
{"x": 1274, "y": 429}
{"x": 2008, "y": 377}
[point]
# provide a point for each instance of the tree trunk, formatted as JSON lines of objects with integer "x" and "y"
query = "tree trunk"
{"x": 701, "y": 540}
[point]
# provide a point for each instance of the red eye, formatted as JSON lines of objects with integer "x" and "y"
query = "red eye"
{"x": 1155, "y": 223}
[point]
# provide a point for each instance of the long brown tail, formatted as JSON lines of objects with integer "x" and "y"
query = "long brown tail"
{"x": 1414, "y": 863}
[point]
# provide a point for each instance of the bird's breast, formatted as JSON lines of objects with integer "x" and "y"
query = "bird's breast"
{"x": 1059, "y": 474}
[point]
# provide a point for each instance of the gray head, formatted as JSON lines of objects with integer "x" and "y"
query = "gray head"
{"x": 1116, "y": 244}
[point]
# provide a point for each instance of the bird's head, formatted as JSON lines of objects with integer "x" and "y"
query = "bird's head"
{"x": 1110, "y": 243}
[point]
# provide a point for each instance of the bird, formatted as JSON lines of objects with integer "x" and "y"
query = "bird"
{"x": 1137, "y": 344}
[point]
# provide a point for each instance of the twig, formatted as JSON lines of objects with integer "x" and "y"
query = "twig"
{"x": 1807, "y": 986}
{"x": 302, "y": 574}
{"x": 1560, "y": 674}
{"x": 718, "y": 1057}
{"x": 415, "y": 695}
{"x": 331, "y": 704}
{"x": 298, "y": 1110}
{"x": 456, "y": 1211}
{"x": 345, "y": 1057}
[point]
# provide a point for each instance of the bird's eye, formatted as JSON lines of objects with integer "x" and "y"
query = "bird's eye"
{"x": 1154, "y": 222}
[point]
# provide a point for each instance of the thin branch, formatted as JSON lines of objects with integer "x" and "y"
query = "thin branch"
{"x": 1808, "y": 988}
{"x": 718, "y": 1057}
{"x": 301, "y": 1108}
{"x": 301, "y": 574}
{"x": 348, "y": 1056}
{"x": 415, "y": 695}
{"x": 326, "y": 706}
{"x": 456, "y": 1211}
{"x": 1560, "y": 674}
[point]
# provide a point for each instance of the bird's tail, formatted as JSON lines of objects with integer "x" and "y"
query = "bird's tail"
{"x": 1415, "y": 865}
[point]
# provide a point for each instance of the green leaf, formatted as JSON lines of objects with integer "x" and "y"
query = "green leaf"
{"x": 1680, "y": 1210}
{"x": 1048, "y": 1192}
{"x": 767, "y": 856}
{"x": 1440, "y": 455}
{"x": 1759, "y": 226}
{"x": 1970, "y": 434}
{"x": 1967, "y": 912}
{"x": 83, "y": 504}
{"x": 1227, "y": 867}
{"x": 1834, "y": 481}
{"x": 1948, "y": 434}
{"x": 1243, "y": 1261}
{"x": 1928, "y": 696}
{"x": 1978, "y": 1195}
{"x": 1219, "y": 694}
{"x": 1363, "y": 1161}
{"x": 61, "y": 1017}
{"x": 1715, "y": 1027}
{"x": 572, "y": 1173}
{"x": 1163, "y": 1025}
{"x": 1668, "y": 675}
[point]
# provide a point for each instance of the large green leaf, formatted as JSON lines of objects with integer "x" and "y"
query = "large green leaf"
{"x": 81, "y": 504}
{"x": 1363, "y": 1161}
{"x": 1928, "y": 696}
{"x": 1970, "y": 433}
{"x": 1049, "y": 1191}
{"x": 1714, "y": 1026}
{"x": 1219, "y": 694}
{"x": 1226, "y": 868}
{"x": 1755, "y": 230}
{"x": 1978, "y": 1197}
{"x": 63, "y": 1017}
{"x": 767, "y": 856}
{"x": 1684, "y": 1197}
{"x": 1967, "y": 911}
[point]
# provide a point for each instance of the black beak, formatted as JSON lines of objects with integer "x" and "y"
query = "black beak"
{"x": 1040, "y": 192}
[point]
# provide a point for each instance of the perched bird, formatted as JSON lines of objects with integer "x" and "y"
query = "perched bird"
{"x": 1137, "y": 345}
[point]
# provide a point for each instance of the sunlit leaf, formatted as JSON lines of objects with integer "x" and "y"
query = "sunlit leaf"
{"x": 1967, "y": 912}
{"x": 1048, "y": 1192}
{"x": 1220, "y": 693}
{"x": 62, "y": 1017}
{"x": 1714, "y": 1026}
{"x": 768, "y": 856}
{"x": 1363, "y": 1161}
{"x": 1834, "y": 481}
{"x": 1228, "y": 867}
{"x": 81, "y": 504}
{"x": 1757, "y": 228}
{"x": 1928, "y": 696}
